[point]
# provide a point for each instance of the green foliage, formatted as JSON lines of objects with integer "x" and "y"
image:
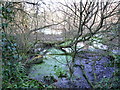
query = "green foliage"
{"x": 49, "y": 79}
{"x": 7, "y": 13}
{"x": 60, "y": 72}
{"x": 115, "y": 61}
{"x": 32, "y": 84}
{"x": 113, "y": 82}
{"x": 108, "y": 83}
{"x": 14, "y": 72}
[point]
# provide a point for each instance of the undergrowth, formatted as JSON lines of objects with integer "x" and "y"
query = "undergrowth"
{"x": 14, "y": 72}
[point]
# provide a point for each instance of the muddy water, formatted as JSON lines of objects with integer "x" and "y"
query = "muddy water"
{"x": 94, "y": 65}
{"x": 53, "y": 65}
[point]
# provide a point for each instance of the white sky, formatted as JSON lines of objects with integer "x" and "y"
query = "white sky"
{"x": 57, "y": 0}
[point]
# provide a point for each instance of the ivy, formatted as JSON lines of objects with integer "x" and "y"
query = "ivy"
{"x": 14, "y": 72}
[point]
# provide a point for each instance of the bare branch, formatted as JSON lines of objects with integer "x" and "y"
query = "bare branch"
{"x": 46, "y": 26}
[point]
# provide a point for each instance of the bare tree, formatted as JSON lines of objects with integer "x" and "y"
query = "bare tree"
{"x": 82, "y": 20}
{"x": 87, "y": 20}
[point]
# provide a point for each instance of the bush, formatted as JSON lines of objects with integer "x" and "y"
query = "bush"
{"x": 14, "y": 73}
{"x": 108, "y": 83}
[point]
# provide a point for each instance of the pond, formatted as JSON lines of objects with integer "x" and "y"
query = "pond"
{"x": 53, "y": 65}
{"x": 56, "y": 65}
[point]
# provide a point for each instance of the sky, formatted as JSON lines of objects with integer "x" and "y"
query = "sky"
{"x": 56, "y": 0}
